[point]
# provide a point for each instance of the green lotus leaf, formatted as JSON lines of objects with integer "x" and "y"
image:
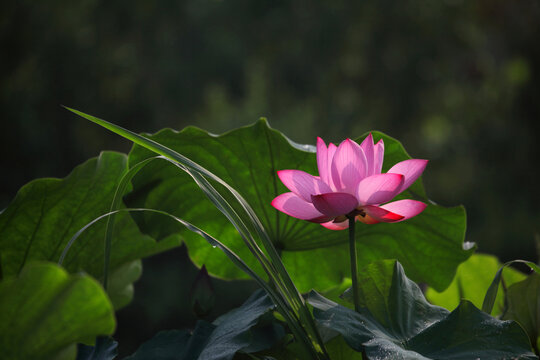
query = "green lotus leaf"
{"x": 248, "y": 159}
{"x": 45, "y": 311}
{"x": 46, "y": 213}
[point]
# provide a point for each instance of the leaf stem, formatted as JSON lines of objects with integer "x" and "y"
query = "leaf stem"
{"x": 354, "y": 262}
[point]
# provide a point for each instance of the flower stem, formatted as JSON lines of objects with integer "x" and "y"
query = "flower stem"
{"x": 354, "y": 263}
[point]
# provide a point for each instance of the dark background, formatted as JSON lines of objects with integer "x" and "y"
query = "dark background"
{"x": 456, "y": 81}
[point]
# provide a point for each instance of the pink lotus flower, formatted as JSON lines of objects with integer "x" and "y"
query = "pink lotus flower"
{"x": 350, "y": 183}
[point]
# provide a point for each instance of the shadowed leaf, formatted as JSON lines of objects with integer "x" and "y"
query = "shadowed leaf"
{"x": 403, "y": 325}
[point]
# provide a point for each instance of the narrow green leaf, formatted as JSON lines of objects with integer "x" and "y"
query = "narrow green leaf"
{"x": 45, "y": 311}
{"x": 283, "y": 307}
{"x": 211, "y": 240}
{"x": 116, "y": 204}
{"x": 274, "y": 268}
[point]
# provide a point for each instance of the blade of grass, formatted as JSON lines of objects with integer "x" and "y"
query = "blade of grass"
{"x": 282, "y": 307}
{"x": 115, "y": 205}
{"x": 214, "y": 196}
{"x": 216, "y": 199}
{"x": 291, "y": 292}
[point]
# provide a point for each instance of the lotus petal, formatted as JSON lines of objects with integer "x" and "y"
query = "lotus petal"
{"x": 336, "y": 226}
{"x": 368, "y": 148}
{"x": 406, "y": 208}
{"x": 349, "y": 166}
{"x": 303, "y": 184}
{"x": 334, "y": 204}
{"x": 375, "y": 214}
{"x": 380, "y": 188}
{"x": 378, "y": 157}
{"x": 332, "y": 148}
{"x": 293, "y": 205}
{"x": 411, "y": 169}
{"x": 322, "y": 160}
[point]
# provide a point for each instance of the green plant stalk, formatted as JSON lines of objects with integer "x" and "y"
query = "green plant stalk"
{"x": 354, "y": 263}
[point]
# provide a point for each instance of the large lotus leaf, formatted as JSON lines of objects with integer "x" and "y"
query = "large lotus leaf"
{"x": 235, "y": 331}
{"x": 523, "y": 300}
{"x": 403, "y": 325}
{"x": 430, "y": 245}
{"x": 473, "y": 278}
{"x": 46, "y": 213}
{"x": 45, "y": 311}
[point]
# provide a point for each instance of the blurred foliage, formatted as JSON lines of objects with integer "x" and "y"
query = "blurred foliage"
{"x": 457, "y": 82}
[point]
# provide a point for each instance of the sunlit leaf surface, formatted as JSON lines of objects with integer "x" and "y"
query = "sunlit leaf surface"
{"x": 430, "y": 246}
{"x": 45, "y": 311}
{"x": 471, "y": 282}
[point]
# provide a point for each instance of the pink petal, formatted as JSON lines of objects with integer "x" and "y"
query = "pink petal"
{"x": 292, "y": 205}
{"x": 331, "y": 152}
{"x": 406, "y": 208}
{"x": 303, "y": 184}
{"x": 380, "y": 188}
{"x": 376, "y": 214}
{"x": 322, "y": 160}
{"x": 336, "y": 226}
{"x": 368, "y": 147}
{"x": 378, "y": 157}
{"x": 348, "y": 167}
{"x": 334, "y": 204}
{"x": 411, "y": 169}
